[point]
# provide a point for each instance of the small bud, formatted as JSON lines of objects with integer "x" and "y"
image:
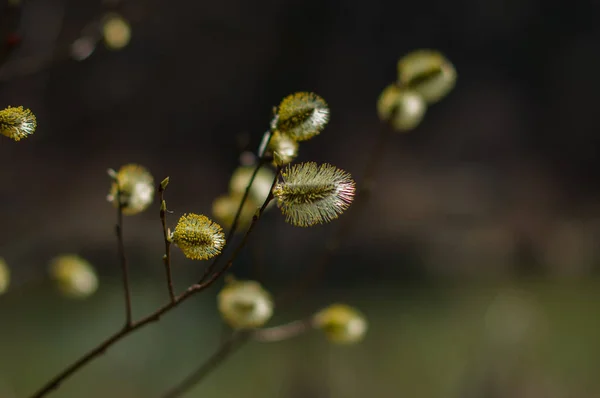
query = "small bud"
{"x": 284, "y": 148}
{"x": 244, "y": 304}
{"x": 302, "y": 116}
{"x": 164, "y": 183}
{"x": 76, "y": 278}
{"x": 17, "y": 123}
{"x": 4, "y": 276}
{"x": 137, "y": 189}
{"x": 403, "y": 109}
{"x": 116, "y": 31}
{"x": 163, "y": 206}
{"x": 198, "y": 237}
{"x": 341, "y": 324}
{"x": 428, "y": 73}
{"x": 312, "y": 194}
{"x": 224, "y": 209}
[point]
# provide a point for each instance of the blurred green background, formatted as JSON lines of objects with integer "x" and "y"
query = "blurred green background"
{"x": 476, "y": 259}
{"x": 529, "y": 339}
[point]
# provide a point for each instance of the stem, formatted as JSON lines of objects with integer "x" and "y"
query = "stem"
{"x": 102, "y": 347}
{"x": 155, "y": 316}
{"x": 235, "y": 341}
{"x": 283, "y": 332}
{"x": 167, "y": 256}
{"x": 123, "y": 258}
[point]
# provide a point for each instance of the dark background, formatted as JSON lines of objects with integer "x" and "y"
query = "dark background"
{"x": 494, "y": 198}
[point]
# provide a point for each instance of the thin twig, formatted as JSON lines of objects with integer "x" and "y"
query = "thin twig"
{"x": 155, "y": 316}
{"x": 283, "y": 332}
{"x": 167, "y": 238}
{"x": 122, "y": 257}
{"x": 255, "y": 218}
{"x": 261, "y": 162}
{"x": 235, "y": 222}
{"x": 231, "y": 344}
{"x": 235, "y": 341}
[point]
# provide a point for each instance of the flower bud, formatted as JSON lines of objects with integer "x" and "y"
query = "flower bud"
{"x": 4, "y": 276}
{"x": 225, "y": 207}
{"x": 116, "y": 32}
{"x": 260, "y": 186}
{"x": 402, "y": 108}
{"x": 428, "y": 73}
{"x": 341, "y": 324}
{"x": 283, "y": 148}
{"x": 302, "y": 115}
{"x": 76, "y": 278}
{"x": 245, "y": 304}
{"x": 137, "y": 189}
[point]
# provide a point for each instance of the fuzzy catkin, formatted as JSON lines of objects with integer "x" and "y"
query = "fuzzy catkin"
{"x": 312, "y": 194}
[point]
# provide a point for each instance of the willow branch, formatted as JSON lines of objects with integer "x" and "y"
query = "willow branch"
{"x": 55, "y": 382}
{"x": 234, "y": 225}
{"x": 206, "y": 283}
{"x": 167, "y": 238}
{"x": 122, "y": 257}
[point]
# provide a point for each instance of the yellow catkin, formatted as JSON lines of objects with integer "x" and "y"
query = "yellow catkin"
{"x": 198, "y": 237}
{"x": 302, "y": 115}
{"x": 17, "y": 123}
{"x": 341, "y": 324}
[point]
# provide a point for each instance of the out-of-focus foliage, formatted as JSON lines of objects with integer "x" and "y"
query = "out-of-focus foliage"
{"x": 403, "y": 108}
{"x": 224, "y": 209}
{"x": 244, "y": 304}
{"x": 136, "y": 186}
{"x": 116, "y": 32}
{"x": 341, "y": 324}
{"x": 4, "y": 276}
{"x": 428, "y": 73}
{"x": 75, "y": 277}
